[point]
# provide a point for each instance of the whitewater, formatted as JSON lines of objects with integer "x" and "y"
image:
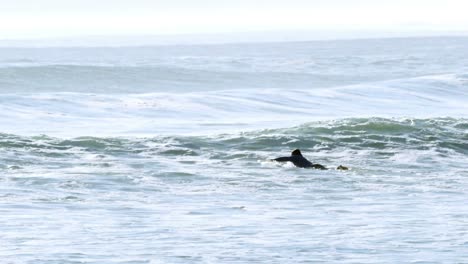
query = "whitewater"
{"x": 161, "y": 154}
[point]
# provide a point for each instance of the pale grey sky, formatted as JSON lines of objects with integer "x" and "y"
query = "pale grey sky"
{"x": 72, "y": 18}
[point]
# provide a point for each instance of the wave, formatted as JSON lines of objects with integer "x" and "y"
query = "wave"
{"x": 380, "y": 134}
{"x": 355, "y": 141}
{"x": 211, "y": 112}
{"x": 289, "y": 65}
{"x": 147, "y": 79}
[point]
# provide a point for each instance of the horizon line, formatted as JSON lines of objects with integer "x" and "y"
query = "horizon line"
{"x": 138, "y": 40}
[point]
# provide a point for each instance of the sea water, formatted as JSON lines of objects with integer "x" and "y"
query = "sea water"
{"x": 160, "y": 154}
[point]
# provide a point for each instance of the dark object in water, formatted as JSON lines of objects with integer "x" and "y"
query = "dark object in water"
{"x": 299, "y": 161}
{"x": 341, "y": 167}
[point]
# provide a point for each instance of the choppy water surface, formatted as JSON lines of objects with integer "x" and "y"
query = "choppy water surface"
{"x": 157, "y": 175}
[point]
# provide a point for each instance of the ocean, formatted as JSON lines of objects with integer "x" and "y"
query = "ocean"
{"x": 161, "y": 154}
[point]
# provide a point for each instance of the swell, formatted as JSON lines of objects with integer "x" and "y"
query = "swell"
{"x": 147, "y": 79}
{"x": 288, "y": 65}
{"x": 447, "y": 135}
{"x": 124, "y": 79}
{"x": 227, "y": 111}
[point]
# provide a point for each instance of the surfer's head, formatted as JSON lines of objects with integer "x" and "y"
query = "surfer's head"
{"x": 296, "y": 152}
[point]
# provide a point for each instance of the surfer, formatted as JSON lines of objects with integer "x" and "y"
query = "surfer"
{"x": 299, "y": 161}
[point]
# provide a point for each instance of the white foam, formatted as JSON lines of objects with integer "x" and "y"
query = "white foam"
{"x": 76, "y": 114}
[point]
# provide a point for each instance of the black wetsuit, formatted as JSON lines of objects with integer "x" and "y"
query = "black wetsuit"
{"x": 299, "y": 161}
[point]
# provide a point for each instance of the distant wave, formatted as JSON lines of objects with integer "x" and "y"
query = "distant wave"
{"x": 155, "y": 78}
{"x": 78, "y": 114}
{"x": 289, "y": 65}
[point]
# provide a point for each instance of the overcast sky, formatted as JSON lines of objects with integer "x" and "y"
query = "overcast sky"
{"x": 74, "y": 18}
